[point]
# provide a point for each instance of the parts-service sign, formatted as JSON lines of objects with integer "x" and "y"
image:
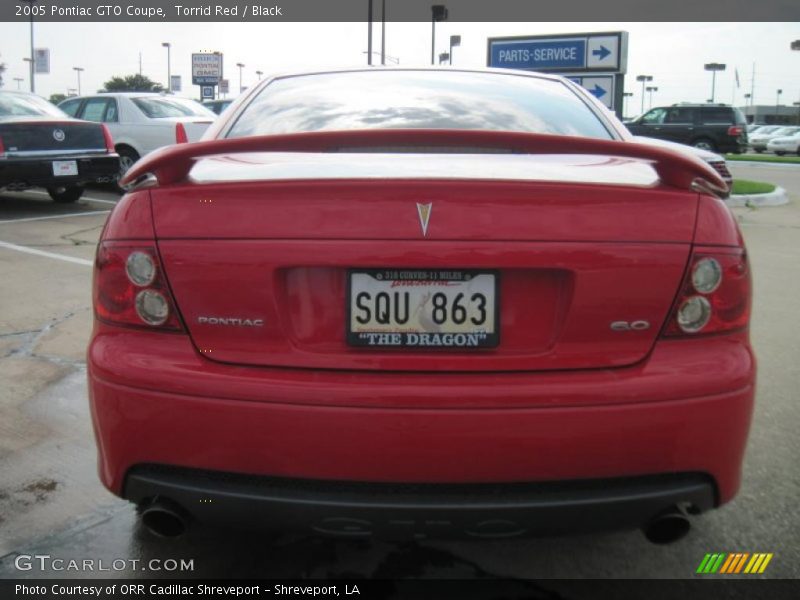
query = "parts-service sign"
{"x": 425, "y": 309}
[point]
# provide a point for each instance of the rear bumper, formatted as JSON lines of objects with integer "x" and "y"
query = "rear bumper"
{"x": 360, "y": 510}
{"x": 38, "y": 171}
{"x": 156, "y": 401}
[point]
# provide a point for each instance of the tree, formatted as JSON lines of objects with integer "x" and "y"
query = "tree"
{"x": 131, "y": 83}
{"x": 56, "y": 98}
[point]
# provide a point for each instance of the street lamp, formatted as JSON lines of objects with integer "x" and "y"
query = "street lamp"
{"x": 777, "y": 104}
{"x": 626, "y": 95}
{"x": 747, "y": 99}
{"x": 443, "y": 57}
{"x": 33, "y": 85}
{"x": 643, "y": 79}
{"x": 241, "y": 66}
{"x": 78, "y": 71}
{"x": 259, "y": 73}
{"x": 713, "y": 67}
{"x": 168, "y": 46}
{"x": 438, "y": 13}
{"x": 19, "y": 81}
{"x": 651, "y": 89}
{"x": 455, "y": 41}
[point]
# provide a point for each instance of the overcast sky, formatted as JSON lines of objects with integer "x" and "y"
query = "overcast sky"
{"x": 674, "y": 53}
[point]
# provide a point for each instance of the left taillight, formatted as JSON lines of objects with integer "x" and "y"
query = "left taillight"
{"x": 130, "y": 288}
{"x": 108, "y": 139}
{"x": 2, "y": 148}
{"x": 715, "y": 296}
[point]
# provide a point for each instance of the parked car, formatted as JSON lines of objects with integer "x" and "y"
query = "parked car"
{"x": 42, "y": 146}
{"x": 762, "y": 129}
{"x": 715, "y": 161}
{"x": 406, "y": 301}
{"x": 712, "y": 127}
{"x": 758, "y": 141}
{"x": 785, "y": 144}
{"x": 217, "y": 106}
{"x": 140, "y": 122}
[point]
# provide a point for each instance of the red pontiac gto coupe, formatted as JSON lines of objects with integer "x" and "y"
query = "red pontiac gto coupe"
{"x": 428, "y": 302}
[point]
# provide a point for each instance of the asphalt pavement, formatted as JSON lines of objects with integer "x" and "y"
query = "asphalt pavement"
{"x": 51, "y": 501}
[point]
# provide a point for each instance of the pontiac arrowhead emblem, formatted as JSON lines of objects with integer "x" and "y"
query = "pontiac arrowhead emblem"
{"x": 424, "y": 211}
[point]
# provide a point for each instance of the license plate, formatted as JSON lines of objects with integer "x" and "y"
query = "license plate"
{"x": 65, "y": 168}
{"x": 422, "y": 309}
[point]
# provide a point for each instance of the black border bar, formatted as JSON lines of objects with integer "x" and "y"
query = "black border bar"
{"x": 607, "y": 11}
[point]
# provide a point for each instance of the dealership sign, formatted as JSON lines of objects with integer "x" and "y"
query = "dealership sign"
{"x": 597, "y": 61}
{"x": 206, "y": 69}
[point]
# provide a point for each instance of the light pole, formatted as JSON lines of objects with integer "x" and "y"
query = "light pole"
{"x": 438, "y": 13}
{"x": 168, "y": 46}
{"x": 651, "y": 89}
{"x": 626, "y": 95}
{"x": 747, "y": 99}
{"x": 369, "y": 32}
{"x": 19, "y": 81}
{"x": 33, "y": 84}
{"x": 643, "y": 79}
{"x": 259, "y": 74}
{"x": 241, "y": 66}
{"x": 795, "y": 45}
{"x": 78, "y": 71}
{"x": 713, "y": 67}
{"x": 455, "y": 41}
{"x": 777, "y": 105}
{"x": 383, "y": 32}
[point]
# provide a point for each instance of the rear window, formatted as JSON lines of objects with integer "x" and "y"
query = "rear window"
{"x": 27, "y": 105}
{"x": 158, "y": 107}
{"x": 718, "y": 115}
{"x": 417, "y": 100}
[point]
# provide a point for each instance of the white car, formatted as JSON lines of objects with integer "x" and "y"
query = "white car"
{"x": 140, "y": 122}
{"x": 785, "y": 144}
{"x": 715, "y": 161}
{"x": 758, "y": 141}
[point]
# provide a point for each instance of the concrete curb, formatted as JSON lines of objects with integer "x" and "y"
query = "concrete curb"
{"x": 775, "y": 198}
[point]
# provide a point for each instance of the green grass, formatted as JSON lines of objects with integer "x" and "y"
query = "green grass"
{"x": 768, "y": 158}
{"x": 742, "y": 186}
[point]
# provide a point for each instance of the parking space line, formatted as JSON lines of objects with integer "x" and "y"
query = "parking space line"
{"x": 29, "y": 219}
{"x": 38, "y": 193}
{"x": 64, "y": 257}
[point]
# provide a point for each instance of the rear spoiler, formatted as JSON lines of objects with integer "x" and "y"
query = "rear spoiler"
{"x": 172, "y": 164}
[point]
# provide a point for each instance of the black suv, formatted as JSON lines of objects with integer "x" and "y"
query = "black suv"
{"x": 714, "y": 127}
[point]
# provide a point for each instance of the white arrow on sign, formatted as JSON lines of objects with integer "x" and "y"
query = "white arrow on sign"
{"x": 601, "y": 87}
{"x": 603, "y": 51}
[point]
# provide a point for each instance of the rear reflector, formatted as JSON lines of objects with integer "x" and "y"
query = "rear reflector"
{"x": 130, "y": 288}
{"x": 715, "y": 295}
{"x": 180, "y": 134}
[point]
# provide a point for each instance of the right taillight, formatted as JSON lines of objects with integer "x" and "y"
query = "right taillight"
{"x": 715, "y": 295}
{"x": 130, "y": 288}
{"x": 735, "y": 130}
{"x": 180, "y": 134}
